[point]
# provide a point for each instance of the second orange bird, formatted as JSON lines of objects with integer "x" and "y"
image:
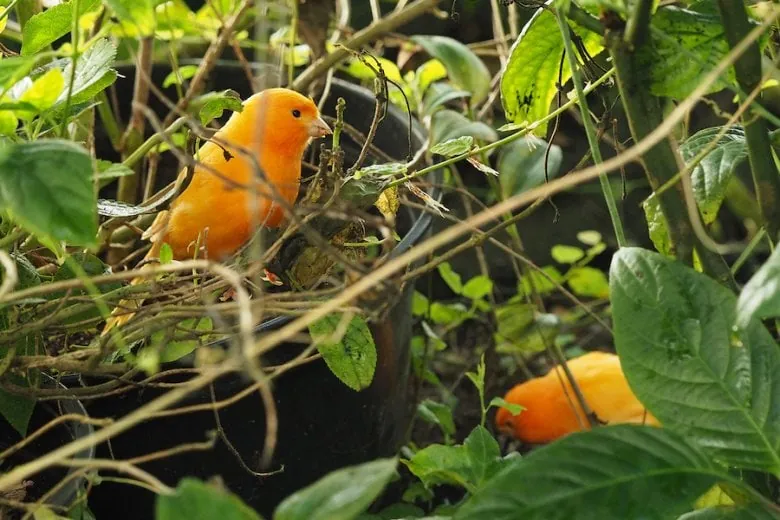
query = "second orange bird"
{"x": 226, "y": 200}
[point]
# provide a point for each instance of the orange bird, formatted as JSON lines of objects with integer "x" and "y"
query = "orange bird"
{"x": 552, "y": 410}
{"x": 228, "y": 198}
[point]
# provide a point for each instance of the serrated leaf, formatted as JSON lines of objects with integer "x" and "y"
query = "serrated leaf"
{"x": 438, "y": 414}
{"x": 710, "y": 178}
{"x": 760, "y": 298}
{"x": 44, "y": 28}
{"x": 342, "y": 494}
{"x": 566, "y": 254}
{"x": 178, "y": 76}
{"x": 46, "y": 185}
{"x": 453, "y": 147}
{"x": 587, "y": 472}
{"x": 448, "y": 124}
{"x": 450, "y": 277}
{"x": 528, "y": 85}
{"x": 352, "y": 356}
{"x": 478, "y": 287}
{"x": 196, "y": 500}
{"x": 483, "y": 453}
{"x": 93, "y": 73}
{"x": 137, "y": 13}
{"x": 464, "y": 68}
{"x": 522, "y": 164}
{"x": 686, "y": 46}
{"x": 215, "y": 103}
{"x": 673, "y": 332}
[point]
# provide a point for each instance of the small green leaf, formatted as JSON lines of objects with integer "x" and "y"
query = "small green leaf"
{"x": 567, "y": 254}
{"x": 46, "y": 186}
{"x": 44, "y": 91}
{"x": 44, "y": 28}
{"x": 166, "y": 254}
{"x": 513, "y": 319}
{"x": 522, "y": 164}
{"x": 478, "y": 287}
{"x": 420, "y": 304}
{"x": 381, "y": 170}
{"x": 437, "y": 413}
{"x": 450, "y": 277}
{"x": 539, "y": 282}
{"x": 589, "y": 238}
{"x": 453, "y": 147}
{"x": 464, "y": 68}
{"x": 137, "y": 13}
{"x": 529, "y": 83}
{"x": 513, "y": 408}
{"x": 343, "y": 494}
{"x": 109, "y": 170}
{"x": 590, "y": 470}
{"x": 657, "y": 226}
{"x": 196, "y": 500}
{"x": 185, "y": 338}
{"x": 673, "y": 330}
{"x": 448, "y": 124}
{"x": 760, "y": 298}
{"x": 178, "y": 76}
{"x": 437, "y": 464}
{"x": 8, "y": 122}
{"x": 352, "y": 356}
{"x": 448, "y": 314}
{"x": 439, "y": 94}
{"x": 588, "y": 281}
{"x": 215, "y": 103}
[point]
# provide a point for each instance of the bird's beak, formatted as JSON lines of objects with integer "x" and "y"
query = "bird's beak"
{"x": 319, "y": 128}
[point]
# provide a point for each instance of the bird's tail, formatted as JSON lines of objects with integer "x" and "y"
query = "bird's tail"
{"x": 126, "y": 309}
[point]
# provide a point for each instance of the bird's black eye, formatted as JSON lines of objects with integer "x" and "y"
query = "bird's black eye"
{"x": 296, "y": 113}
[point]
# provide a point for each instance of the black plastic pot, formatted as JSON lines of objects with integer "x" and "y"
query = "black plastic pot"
{"x": 323, "y": 424}
{"x": 44, "y": 482}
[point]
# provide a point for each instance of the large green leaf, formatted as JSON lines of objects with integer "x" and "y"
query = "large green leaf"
{"x": 528, "y": 84}
{"x": 686, "y": 46}
{"x": 93, "y": 72}
{"x": 522, "y": 164}
{"x": 622, "y": 471}
{"x": 51, "y": 24}
{"x": 711, "y": 176}
{"x": 343, "y": 494}
{"x": 464, "y": 68}
{"x": 673, "y": 332}
{"x": 760, "y": 298}
{"x": 196, "y": 500}
{"x": 448, "y": 124}
{"x": 745, "y": 512}
{"x": 350, "y": 356}
{"x": 46, "y": 185}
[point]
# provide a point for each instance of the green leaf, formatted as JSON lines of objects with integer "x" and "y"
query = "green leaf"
{"x": 352, "y": 355}
{"x": 342, "y": 494}
{"x": 617, "y": 6}
{"x": 528, "y": 85}
{"x": 687, "y": 45}
{"x": 622, "y": 471}
{"x": 483, "y": 453}
{"x": 589, "y": 238}
{"x": 541, "y": 283}
{"x": 420, "y": 304}
{"x": 448, "y": 124}
{"x": 381, "y": 170}
{"x": 109, "y": 170}
{"x": 170, "y": 345}
{"x": 673, "y": 332}
{"x": 513, "y": 408}
{"x": 710, "y": 178}
{"x": 522, "y": 164}
{"x": 215, "y": 103}
{"x": 742, "y": 512}
{"x": 436, "y": 464}
{"x": 513, "y": 318}
{"x": 14, "y": 69}
{"x": 138, "y": 13}
{"x": 478, "y": 287}
{"x": 448, "y": 314}
{"x": 438, "y": 414}
{"x": 196, "y": 500}
{"x": 18, "y": 409}
{"x": 93, "y": 73}
{"x": 176, "y": 77}
{"x": 465, "y": 69}
{"x": 588, "y": 281}
{"x": 45, "y": 27}
{"x": 8, "y": 122}
{"x": 44, "y": 92}
{"x": 450, "y": 277}
{"x": 166, "y": 254}
{"x": 453, "y": 147}
{"x": 46, "y": 186}
{"x": 657, "y": 226}
{"x": 760, "y": 298}
{"x": 439, "y": 94}
{"x": 566, "y": 254}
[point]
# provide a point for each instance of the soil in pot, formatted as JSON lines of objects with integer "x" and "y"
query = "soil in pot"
{"x": 323, "y": 424}
{"x": 41, "y": 485}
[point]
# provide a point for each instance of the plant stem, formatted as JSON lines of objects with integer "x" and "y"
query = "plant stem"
{"x": 590, "y": 131}
{"x": 748, "y": 72}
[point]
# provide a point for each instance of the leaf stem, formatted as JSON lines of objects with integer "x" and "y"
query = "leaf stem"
{"x": 590, "y": 131}
{"x": 748, "y": 72}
